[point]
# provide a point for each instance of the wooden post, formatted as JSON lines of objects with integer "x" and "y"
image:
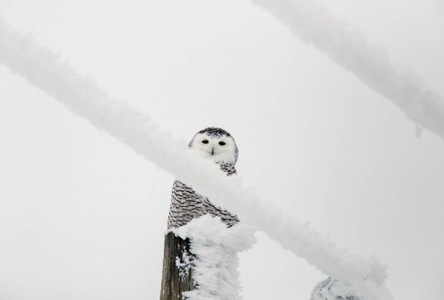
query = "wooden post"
{"x": 175, "y": 279}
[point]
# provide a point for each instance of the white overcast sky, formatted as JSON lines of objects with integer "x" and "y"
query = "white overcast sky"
{"x": 83, "y": 217}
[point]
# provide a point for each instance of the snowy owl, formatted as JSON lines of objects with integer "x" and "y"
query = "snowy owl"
{"x": 215, "y": 144}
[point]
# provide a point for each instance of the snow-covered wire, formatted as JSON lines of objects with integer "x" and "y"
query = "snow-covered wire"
{"x": 43, "y": 69}
{"x": 371, "y": 64}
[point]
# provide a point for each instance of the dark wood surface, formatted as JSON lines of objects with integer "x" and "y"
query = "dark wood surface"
{"x": 175, "y": 280}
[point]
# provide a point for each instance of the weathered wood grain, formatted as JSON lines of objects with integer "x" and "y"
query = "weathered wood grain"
{"x": 175, "y": 280}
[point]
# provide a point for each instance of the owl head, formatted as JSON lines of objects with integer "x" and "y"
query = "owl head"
{"x": 216, "y": 144}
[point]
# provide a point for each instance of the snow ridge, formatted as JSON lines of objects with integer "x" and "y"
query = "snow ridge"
{"x": 43, "y": 69}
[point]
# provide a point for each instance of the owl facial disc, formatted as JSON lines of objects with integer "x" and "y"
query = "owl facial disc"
{"x": 216, "y": 144}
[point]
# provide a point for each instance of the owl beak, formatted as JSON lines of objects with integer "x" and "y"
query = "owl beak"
{"x": 212, "y": 151}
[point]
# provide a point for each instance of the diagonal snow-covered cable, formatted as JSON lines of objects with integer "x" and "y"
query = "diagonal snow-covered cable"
{"x": 346, "y": 46}
{"x": 43, "y": 69}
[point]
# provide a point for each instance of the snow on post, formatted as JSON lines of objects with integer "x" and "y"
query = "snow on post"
{"x": 216, "y": 262}
{"x": 43, "y": 69}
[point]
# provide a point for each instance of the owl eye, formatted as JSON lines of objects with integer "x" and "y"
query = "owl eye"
{"x": 205, "y": 142}
{"x": 221, "y": 143}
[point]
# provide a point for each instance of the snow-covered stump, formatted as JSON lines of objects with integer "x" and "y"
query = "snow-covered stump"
{"x": 201, "y": 260}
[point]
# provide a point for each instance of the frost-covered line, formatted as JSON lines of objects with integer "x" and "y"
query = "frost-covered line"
{"x": 346, "y": 46}
{"x": 43, "y": 69}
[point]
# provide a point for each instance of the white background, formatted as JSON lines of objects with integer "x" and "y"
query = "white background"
{"x": 82, "y": 216}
